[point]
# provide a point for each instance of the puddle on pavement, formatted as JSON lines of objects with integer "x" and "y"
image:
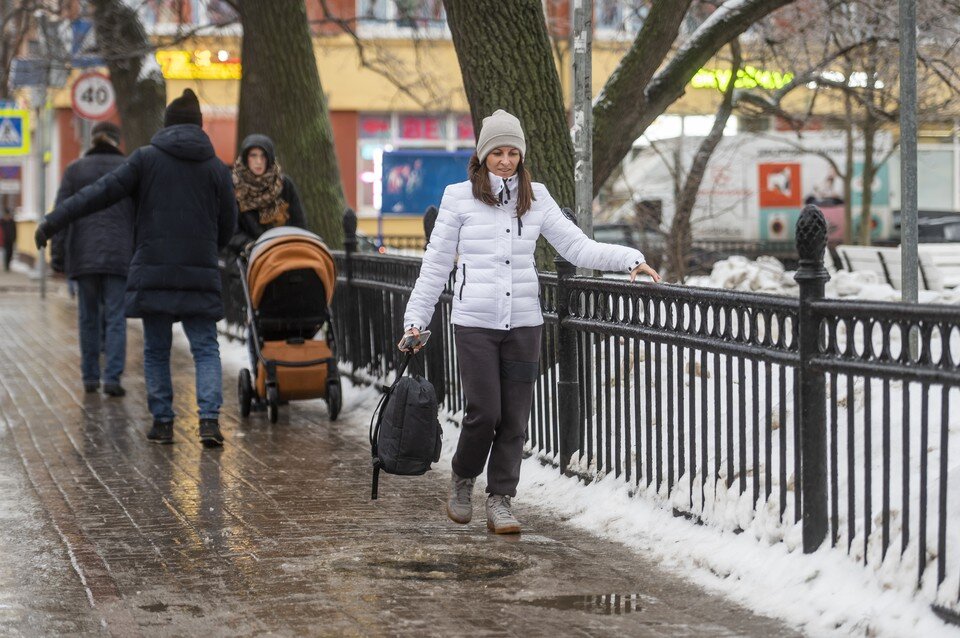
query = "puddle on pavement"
{"x": 603, "y": 604}
{"x": 160, "y": 608}
{"x": 422, "y": 566}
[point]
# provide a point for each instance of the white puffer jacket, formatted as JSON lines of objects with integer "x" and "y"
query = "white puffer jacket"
{"x": 496, "y": 283}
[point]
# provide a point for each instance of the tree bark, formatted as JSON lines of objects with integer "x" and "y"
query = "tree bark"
{"x": 619, "y": 118}
{"x": 281, "y": 96}
{"x": 506, "y": 62}
{"x": 137, "y": 81}
{"x": 681, "y": 237}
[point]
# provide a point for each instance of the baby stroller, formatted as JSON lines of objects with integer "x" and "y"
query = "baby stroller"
{"x": 288, "y": 279}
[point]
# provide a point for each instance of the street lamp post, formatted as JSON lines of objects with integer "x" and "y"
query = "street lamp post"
{"x": 583, "y": 112}
{"x": 908, "y": 150}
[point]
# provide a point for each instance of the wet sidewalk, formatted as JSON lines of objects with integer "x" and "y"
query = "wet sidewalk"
{"x": 104, "y": 533}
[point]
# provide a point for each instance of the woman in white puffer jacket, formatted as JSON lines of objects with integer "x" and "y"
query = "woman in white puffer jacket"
{"x": 488, "y": 227}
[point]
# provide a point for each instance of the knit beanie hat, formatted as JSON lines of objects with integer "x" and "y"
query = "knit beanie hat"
{"x": 184, "y": 110}
{"x": 108, "y": 130}
{"x": 500, "y": 129}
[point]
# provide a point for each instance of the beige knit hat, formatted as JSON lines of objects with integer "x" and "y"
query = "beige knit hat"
{"x": 500, "y": 129}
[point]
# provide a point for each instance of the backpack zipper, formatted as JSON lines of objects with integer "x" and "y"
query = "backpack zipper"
{"x": 463, "y": 280}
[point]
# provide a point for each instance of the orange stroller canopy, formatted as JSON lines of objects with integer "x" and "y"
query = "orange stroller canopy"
{"x": 284, "y": 249}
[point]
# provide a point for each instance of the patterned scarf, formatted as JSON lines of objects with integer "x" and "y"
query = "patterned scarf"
{"x": 261, "y": 193}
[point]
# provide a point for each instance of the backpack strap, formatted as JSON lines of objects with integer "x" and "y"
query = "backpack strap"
{"x": 376, "y": 480}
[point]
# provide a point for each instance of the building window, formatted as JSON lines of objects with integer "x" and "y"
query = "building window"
{"x": 618, "y": 18}
{"x": 377, "y": 17}
{"x": 384, "y": 132}
{"x": 165, "y": 17}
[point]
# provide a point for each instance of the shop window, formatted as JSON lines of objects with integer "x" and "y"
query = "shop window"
{"x": 171, "y": 16}
{"x": 402, "y": 17}
{"x": 614, "y": 18}
{"x": 384, "y": 132}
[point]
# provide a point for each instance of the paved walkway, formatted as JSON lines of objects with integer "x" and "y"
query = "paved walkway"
{"x": 104, "y": 533}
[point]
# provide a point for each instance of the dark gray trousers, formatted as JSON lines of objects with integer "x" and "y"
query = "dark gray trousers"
{"x": 498, "y": 369}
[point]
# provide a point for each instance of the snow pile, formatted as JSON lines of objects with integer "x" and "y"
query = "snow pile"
{"x": 768, "y": 275}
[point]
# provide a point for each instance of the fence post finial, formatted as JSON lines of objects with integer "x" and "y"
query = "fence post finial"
{"x": 812, "y": 276}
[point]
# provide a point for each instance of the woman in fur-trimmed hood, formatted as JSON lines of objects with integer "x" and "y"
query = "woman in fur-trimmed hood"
{"x": 266, "y": 197}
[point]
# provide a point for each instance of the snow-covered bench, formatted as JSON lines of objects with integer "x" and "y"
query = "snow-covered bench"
{"x": 939, "y": 264}
{"x": 870, "y": 259}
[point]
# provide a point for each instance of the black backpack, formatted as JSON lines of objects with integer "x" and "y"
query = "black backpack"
{"x": 405, "y": 434}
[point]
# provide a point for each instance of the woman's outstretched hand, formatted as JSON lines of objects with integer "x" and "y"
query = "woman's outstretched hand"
{"x": 646, "y": 270}
{"x": 413, "y": 335}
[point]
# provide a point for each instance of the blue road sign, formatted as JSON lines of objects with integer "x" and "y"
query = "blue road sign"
{"x": 14, "y": 132}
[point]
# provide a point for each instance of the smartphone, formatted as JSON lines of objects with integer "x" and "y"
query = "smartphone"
{"x": 412, "y": 342}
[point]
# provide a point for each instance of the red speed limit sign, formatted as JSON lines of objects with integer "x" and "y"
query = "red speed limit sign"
{"x": 93, "y": 96}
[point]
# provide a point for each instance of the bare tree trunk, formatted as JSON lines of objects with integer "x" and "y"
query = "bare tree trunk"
{"x": 139, "y": 85}
{"x": 14, "y": 23}
{"x": 870, "y": 126}
{"x": 848, "y": 168}
{"x": 622, "y": 112}
{"x": 681, "y": 237}
{"x": 507, "y": 63}
{"x": 281, "y": 96}
{"x": 869, "y": 173}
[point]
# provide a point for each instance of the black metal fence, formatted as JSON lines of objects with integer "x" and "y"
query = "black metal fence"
{"x": 766, "y": 414}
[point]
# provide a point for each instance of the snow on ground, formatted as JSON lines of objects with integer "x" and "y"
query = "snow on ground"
{"x": 826, "y": 593}
{"x": 768, "y": 275}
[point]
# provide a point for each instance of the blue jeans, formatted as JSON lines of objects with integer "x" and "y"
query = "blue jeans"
{"x": 157, "y": 340}
{"x": 103, "y": 326}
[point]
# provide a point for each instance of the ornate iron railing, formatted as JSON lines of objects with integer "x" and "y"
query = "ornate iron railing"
{"x": 766, "y": 414}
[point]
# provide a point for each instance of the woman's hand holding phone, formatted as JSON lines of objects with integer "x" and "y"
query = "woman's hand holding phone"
{"x": 413, "y": 340}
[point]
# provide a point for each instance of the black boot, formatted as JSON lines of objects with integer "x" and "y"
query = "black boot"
{"x": 161, "y": 432}
{"x": 91, "y": 386}
{"x": 210, "y": 433}
{"x": 114, "y": 390}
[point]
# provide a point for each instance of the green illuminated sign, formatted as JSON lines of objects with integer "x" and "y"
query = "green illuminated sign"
{"x": 748, "y": 77}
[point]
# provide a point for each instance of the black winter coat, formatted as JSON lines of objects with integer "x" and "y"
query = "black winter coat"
{"x": 101, "y": 244}
{"x": 250, "y": 227}
{"x": 8, "y": 228}
{"x": 185, "y": 211}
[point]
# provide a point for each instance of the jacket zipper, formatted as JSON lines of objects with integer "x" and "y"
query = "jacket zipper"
{"x": 463, "y": 281}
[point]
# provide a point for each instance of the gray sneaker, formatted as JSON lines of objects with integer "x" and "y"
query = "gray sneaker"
{"x": 460, "y": 505}
{"x": 500, "y": 520}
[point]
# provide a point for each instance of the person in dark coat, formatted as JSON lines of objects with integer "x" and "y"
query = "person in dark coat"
{"x": 96, "y": 252}
{"x": 8, "y": 229}
{"x": 266, "y": 198}
{"x": 185, "y": 211}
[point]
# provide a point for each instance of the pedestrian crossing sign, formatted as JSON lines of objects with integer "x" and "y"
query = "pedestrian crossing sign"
{"x": 14, "y": 132}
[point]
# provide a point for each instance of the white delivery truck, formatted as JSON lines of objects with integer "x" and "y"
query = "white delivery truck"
{"x": 756, "y": 185}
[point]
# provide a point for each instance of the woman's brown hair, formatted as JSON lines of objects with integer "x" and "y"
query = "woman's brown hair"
{"x": 480, "y": 178}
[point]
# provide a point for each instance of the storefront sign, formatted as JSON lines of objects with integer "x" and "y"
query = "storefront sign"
{"x": 201, "y": 64}
{"x": 747, "y": 78}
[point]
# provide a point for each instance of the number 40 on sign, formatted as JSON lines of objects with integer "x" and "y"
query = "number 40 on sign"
{"x": 93, "y": 96}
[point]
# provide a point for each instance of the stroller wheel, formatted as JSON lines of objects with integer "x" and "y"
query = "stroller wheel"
{"x": 273, "y": 404}
{"x": 334, "y": 400}
{"x": 245, "y": 392}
